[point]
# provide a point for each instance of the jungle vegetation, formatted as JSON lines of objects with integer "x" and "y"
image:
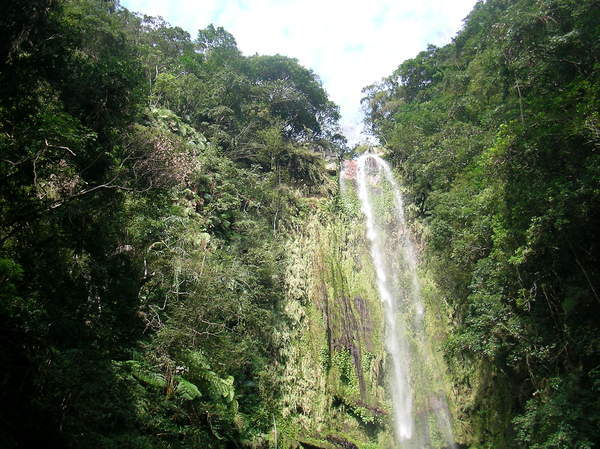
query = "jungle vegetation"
{"x": 177, "y": 269}
{"x": 148, "y": 180}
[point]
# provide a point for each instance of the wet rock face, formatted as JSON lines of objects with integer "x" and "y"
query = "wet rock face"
{"x": 365, "y": 321}
{"x": 335, "y": 366}
{"x": 341, "y": 443}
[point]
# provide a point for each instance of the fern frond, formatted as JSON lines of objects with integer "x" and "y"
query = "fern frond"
{"x": 144, "y": 375}
{"x": 187, "y": 390}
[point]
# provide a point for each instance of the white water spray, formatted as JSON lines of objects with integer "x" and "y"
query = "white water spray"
{"x": 421, "y": 418}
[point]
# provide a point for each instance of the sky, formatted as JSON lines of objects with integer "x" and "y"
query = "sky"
{"x": 349, "y": 44}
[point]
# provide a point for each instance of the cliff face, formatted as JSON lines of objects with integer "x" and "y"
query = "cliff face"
{"x": 333, "y": 357}
{"x": 334, "y": 369}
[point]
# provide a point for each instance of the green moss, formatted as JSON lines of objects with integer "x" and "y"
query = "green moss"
{"x": 331, "y": 362}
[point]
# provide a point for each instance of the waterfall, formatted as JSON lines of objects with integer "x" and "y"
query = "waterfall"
{"x": 420, "y": 412}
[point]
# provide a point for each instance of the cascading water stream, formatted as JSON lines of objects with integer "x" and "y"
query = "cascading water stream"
{"x": 401, "y": 397}
{"x": 421, "y": 418}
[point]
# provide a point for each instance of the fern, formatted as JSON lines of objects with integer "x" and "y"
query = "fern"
{"x": 143, "y": 374}
{"x": 214, "y": 385}
{"x": 149, "y": 377}
{"x": 196, "y": 361}
{"x": 228, "y": 390}
{"x": 187, "y": 390}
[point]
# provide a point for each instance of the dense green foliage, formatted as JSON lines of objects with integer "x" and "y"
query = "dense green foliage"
{"x": 175, "y": 273}
{"x": 146, "y": 179}
{"x": 496, "y": 136}
{"x": 333, "y": 381}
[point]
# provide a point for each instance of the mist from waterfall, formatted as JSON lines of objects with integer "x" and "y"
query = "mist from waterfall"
{"x": 421, "y": 417}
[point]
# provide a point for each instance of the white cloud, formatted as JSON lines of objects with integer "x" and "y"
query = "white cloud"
{"x": 348, "y": 43}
